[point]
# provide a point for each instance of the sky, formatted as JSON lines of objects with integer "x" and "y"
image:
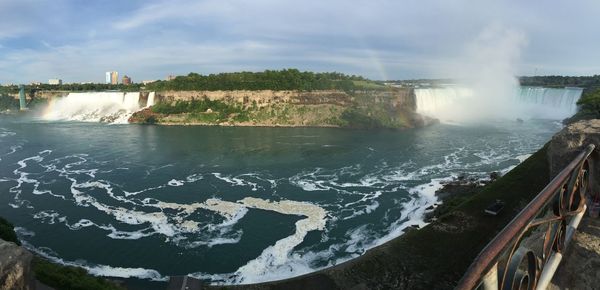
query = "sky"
{"x": 78, "y": 41}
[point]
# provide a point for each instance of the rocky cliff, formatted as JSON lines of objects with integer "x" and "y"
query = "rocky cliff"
{"x": 579, "y": 268}
{"x": 389, "y": 108}
{"x": 567, "y": 143}
{"x": 15, "y": 267}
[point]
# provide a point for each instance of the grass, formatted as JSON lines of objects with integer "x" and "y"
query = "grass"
{"x": 69, "y": 278}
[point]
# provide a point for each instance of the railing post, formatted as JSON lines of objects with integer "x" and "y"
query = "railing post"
{"x": 490, "y": 280}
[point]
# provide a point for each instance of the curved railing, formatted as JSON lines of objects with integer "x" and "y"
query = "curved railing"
{"x": 527, "y": 251}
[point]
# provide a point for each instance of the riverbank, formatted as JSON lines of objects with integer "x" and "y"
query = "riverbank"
{"x": 436, "y": 256}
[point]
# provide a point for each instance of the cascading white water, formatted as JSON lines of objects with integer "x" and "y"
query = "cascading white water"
{"x": 110, "y": 107}
{"x": 453, "y": 103}
{"x": 150, "y": 101}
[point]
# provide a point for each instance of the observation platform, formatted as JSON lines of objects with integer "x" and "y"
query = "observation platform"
{"x": 580, "y": 267}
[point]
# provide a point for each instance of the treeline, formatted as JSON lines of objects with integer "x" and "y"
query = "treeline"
{"x": 277, "y": 80}
{"x": 561, "y": 81}
{"x": 72, "y": 87}
{"x": 287, "y": 79}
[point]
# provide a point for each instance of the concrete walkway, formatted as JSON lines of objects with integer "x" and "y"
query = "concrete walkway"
{"x": 580, "y": 267}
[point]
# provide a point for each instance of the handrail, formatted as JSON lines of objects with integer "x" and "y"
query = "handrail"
{"x": 566, "y": 194}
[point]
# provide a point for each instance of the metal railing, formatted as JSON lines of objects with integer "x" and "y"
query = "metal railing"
{"x": 526, "y": 253}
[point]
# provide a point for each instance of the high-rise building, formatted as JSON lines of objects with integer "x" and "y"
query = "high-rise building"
{"x": 55, "y": 82}
{"x": 112, "y": 77}
{"x": 126, "y": 80}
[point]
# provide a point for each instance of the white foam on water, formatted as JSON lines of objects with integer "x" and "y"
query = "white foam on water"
{"x": 13, "y": 149}
{"x": 235, "y": 180}
{"x": 520, "y": 158}
{"x": 272, "y": 262}
{"x": 175, "y": 182}
{"x": 194, "y": 177}
{"x": 6, "y": 133}
{"x": 180, "y": 224}
{"x": 94, "y": 269}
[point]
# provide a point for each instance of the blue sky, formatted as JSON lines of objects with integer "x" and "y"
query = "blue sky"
{"x": 79, "y": 40}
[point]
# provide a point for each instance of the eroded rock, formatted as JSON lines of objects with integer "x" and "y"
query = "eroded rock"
{"x": 15, "y": 267}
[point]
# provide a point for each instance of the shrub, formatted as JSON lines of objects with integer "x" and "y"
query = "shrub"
{"x": 67, "y": 277}
{"x": 7, "y": 232}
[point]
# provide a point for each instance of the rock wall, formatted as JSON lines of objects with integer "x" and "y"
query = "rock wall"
{"x": 15, "y": 267}
{"x": 567, "y": 143}
{"x": 395, "y": 97}
{"x": 43, "y": 94}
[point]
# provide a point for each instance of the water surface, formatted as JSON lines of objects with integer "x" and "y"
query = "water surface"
{"x": 149, "y": 201}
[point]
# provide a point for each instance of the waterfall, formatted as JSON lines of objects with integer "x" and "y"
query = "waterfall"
{"x": 453, "y": 103}
{"x": 109, "y": 107}
{"x": 150, "y": 101}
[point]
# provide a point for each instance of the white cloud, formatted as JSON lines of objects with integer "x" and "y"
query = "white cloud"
{"x": 378, "y": 38}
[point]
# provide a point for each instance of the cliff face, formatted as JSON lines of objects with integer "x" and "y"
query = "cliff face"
{"x": 569, "y": 142}
{"x": 392, "y": 108}
{"x": 15, "y": 267}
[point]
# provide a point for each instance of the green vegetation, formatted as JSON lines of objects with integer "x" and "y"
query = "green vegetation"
{"x": 589, "y": 106}
{"x": 8, "y": 103}
{"x": 7, "y": 232}
{"x": 287, "y": 79}
{"x": 69, "y": 278}
{"x": 357, "y": 119}
{"x": 30, "y": 89}
{"x": 561, "y": 81}
{"x": 204, "y": 109}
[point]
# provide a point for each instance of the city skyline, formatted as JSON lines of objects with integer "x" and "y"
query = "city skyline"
{"x": 379, "y": 39}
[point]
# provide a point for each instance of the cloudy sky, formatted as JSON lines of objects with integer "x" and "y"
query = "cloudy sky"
{"x": 79, "y": 40}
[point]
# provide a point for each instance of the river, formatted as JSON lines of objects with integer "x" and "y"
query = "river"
{"x": 233, "y": 205}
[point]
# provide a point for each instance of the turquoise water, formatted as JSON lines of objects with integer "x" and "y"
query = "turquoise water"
{"x": 146, "y": 202}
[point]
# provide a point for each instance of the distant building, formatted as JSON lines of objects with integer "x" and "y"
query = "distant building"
{"x": 171, "y": 77}
{"x": 126, "y": 80}
{"x": 148, "y": 81}
{"x": 55, "y": 82}
{"x": 35, "y": 83}
{"x": 112, "y": 77}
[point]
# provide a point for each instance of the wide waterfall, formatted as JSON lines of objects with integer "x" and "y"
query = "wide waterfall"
{"x": 109, "y": 107}
{"x": 456, "y": 104}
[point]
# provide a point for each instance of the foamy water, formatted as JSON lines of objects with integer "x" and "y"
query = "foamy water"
{"x": 244, "y": 204}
